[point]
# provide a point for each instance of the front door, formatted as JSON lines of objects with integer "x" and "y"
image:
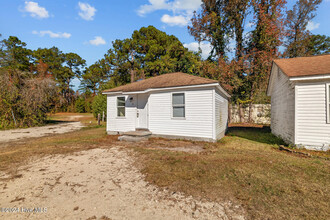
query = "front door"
{"x": 142, "y": 111}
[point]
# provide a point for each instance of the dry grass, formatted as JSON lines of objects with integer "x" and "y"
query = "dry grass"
{"x": 85, "y": 118}
{"x": 263, "y": 134}
{"x": 270, "y": 184}
{"x": 245, "y": 167}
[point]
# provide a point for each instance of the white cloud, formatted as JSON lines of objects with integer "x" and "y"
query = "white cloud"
{"x": 97, "y": 41}
{"x": 312, "y": 26}
{"x": 188, "y": 5}
{"x": 205, "y": 47}
{"x": 87, "y": 12}
{"x": 52, "y": 34}
{"x": 153, "y": 6}
{"x": 182, "y": 10}
{"x": 35, "y": 10}
{"x": 175, "y": 6}
{"x": 174, "y": 20}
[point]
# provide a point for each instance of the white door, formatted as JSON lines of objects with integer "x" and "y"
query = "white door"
{"x": 142, "y": 111}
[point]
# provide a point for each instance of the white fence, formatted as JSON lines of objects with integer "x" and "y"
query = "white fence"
{"x": 260, "y": 114}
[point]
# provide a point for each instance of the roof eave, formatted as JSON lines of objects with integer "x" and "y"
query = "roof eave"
{"x": 110, "y": 93}
{"x": 310, "y": 77}
{"x": 168, "y": 88}
{"x": 223, "y": 91}
{"x": 269, "y": 85}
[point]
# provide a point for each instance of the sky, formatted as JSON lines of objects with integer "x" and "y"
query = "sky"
{"x": 87, "y": 27}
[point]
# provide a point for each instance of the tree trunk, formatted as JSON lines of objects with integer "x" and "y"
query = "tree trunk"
{"x": 143, "y": 76}
{"x": 250, "y": 112}
{"x": 132, "y": 75}
{"x": 241, "y": 113}
{"x": 132, "y": 67}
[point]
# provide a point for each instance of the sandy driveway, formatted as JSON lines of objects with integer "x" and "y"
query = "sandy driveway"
{"x": 18, "y": 134}
{"x": 96, "y": 183}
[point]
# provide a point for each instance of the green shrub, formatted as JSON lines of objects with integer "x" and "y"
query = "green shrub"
{"x": 80, "y": 105}
{"x": 100, "y": 105}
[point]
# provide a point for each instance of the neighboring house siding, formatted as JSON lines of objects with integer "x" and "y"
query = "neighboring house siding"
{"x": 221, "y": 115}
{"x": 198, "y": 120}
{"x": 283, "y": 106}
{"x": 121, "y": 124}
{"x": 311, "y": 121}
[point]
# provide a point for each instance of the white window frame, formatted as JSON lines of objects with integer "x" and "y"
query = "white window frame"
{"x": 178, "y": 105}
{"x": 327, "y": 101}
{"x": 117, "y": 107}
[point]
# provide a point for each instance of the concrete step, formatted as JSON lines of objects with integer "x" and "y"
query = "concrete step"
{"x": 141, "y": 129}
{"x": 132, "y": 138}
{"x": 135, "y": 136}
{"x": 137, "y": 133}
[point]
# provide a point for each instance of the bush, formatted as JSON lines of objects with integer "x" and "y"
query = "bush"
{"x": 100, "y": 105}
{"x": 80, "y": 105}
{"x": 25, "y": 100}
{"x": 89, "y": 104}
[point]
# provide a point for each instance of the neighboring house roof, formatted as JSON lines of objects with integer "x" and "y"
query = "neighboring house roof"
{"x": 301, "y": 69}
{"x": 305, "y": 66}
{"x": 164, "y": 81}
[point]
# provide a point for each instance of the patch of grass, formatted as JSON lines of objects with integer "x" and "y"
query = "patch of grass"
{"x": 258, "y": 134}
{"x": 245, "y": 168}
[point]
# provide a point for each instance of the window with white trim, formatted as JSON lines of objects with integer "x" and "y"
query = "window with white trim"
{"x": 121, "y": 106}
{"x": 178, "y": 105}
{"x": 328, "y": 101}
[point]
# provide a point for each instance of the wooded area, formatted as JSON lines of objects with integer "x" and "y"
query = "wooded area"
{"x": 35, "y": 82}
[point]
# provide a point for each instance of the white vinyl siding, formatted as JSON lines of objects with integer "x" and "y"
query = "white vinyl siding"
{"x": 221, "y": 114}
{"x": 201, "y": 119}
{"x": 198, "y": 121}
{"x": 282, "y": 106}
{"x": 178, "y": 105}
{"x": 121, "y": 124}
{"x": 328, "y": 102}
{"x": 312, "y": 101}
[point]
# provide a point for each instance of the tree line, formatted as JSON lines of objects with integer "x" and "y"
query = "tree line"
{"x": 273, "y": 26}
{"x": 35, "y": 82}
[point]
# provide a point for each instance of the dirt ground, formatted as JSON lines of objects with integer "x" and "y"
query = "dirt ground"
{"x": 19, "y": 134}
{"x": 98, "y": 183}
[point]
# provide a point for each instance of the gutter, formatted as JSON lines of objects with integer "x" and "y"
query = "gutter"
{"x": 316, "y": 77}
{"x": 169, "y": 88}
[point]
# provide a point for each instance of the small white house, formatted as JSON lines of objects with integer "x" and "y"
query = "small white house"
{"x": 173, "y": 105}
{"x": 300, "y": 101}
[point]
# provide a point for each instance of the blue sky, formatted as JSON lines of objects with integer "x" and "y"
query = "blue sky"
{"x": 88, "y": 27}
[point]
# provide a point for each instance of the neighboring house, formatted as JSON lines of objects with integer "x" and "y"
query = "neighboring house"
{"x": 300, "y": 101}
{"x": 173, "y": 105}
